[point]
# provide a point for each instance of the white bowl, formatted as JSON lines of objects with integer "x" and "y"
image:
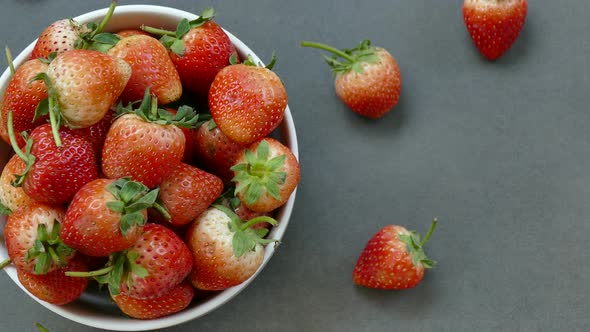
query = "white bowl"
{"x": 93, "y": 308}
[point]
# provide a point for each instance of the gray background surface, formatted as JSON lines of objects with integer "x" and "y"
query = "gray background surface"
{"x": 499, "y": 152}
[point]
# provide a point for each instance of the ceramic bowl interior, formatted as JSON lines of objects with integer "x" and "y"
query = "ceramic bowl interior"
{"x": 94, "y": 308}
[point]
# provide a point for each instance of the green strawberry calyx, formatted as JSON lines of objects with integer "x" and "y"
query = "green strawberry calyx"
{"x": 26, "y": 155}
{"x": 120, "y": 268}
{"x": 343, "y": 61}
{"x": 415, "y": 246}
{"x": 172, "y": 40}
{"x": 48, "y": 249}
{"x": 148, "y": 110}
{"x": 245, "y": 238}
{"x": 233, "y": 60}
{"x": 131, "y": 199}
{"x": 92, "y": 36}
{"x": 259, "y": 174}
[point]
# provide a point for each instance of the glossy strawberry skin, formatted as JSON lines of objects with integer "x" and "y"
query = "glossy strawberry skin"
{"x": 247, "y": 103}
{"x": 147, "y": 152}
{"x": 21, "y": 97}
{"x": 97, "y": 133}
{"x": 58, "y": 173}
{"x": 59, "y": 37}
{"x": 20, "y": 232}
{"x": 151, "y": 68}
{"x": 207, "y": 50}
{"x": 494, "y": 25}
{"x": 386, "y": 263}
{"x": 376, "y": 90}
{"x": 55, "y": 287}
{"x": 10, "y": 196}
{"x": 90, "y": 227}
{"x": 214, "y": 151}
{"x": 187, "y": 192}
{"x": 87, "y": 83}
{"x": 166, "y": 258}
{"x": 174, "y": 301}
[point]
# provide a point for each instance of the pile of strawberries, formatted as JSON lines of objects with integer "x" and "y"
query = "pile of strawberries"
{"x": 144, "y": 160}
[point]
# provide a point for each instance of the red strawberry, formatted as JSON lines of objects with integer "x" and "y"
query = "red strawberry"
{"x": 393, "y": 259}
{"x": 151, "y": 68}
{"x": 67, "y": 34}
{"x": 187, "y": 192}
{"x": 174, "y": 301}
{"x": 21, "y": 98}
{"x": 55, "y": 287}
{"x": 54, "y": 174}
{"x": 247, "y": 102}
{"x": 368, "y": 79}
{"x": 106, "y": 216}
{"x": 11, "y": 197}
{"x": 32, "y": 238}
{"x": 214, "y": 151}
{"x": 266, "y": 173}
{"x": 199, "y": 49}
{"x": 97, "y": 133}
{"x": 131, "y": 32}
{"x": 147, "y": 143}
{"x": 157, "y": 262}
{"x": 494, "y": 25}
{"x": 189, "y": 146}
{"x": 84, "y": 84}
{"x": 226, "y": 251}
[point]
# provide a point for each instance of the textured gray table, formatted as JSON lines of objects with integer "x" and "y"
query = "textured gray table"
{"x": 499, "y": 152}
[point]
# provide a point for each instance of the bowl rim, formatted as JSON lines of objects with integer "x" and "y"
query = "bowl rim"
{"x": 129, "y": 324}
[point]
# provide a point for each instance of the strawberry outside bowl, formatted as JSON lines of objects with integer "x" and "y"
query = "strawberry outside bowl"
{"x": 94, "y": 308}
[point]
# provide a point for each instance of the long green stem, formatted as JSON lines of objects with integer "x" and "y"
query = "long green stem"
{"x": 90, "y": 274}
{"x": 54, "y": 122}
{"x": 159, "y": 32}
{"x": 327, "y": 48}
{"x": 10, "y": 62}
{"x": 430, "y": 231}
{"x": 5, "y": 263}
{"x": 258, "y": 220}
{"x": 12, "y": 138}
{"x": 106, "y": 19}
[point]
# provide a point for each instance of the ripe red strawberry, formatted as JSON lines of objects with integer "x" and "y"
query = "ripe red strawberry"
{"x": 32, "y": 238}
{"x": 21, "y": 98}
{"x": 247, "y": 102}
{"x": 11, "y": 197}
{"x": 151, "y": 68}
{"x": 157, "y": 262}
{"x": 189, "y": 145}
{"x": 393, "y": 259}
{"x": 214, "y": 151}
{"x": 83, "y": 86}
{"x": 368, "y": 79}
{"x": 97, "y": 133}
{"x": 54, "y": 174}
{"x": 67, "y": 34}
{"x": 226, "y": 251}
{"x": 187, "y": 192}
{"x": 494, "y": 25}
{"x": 147, "y": 143}
{"x": 55, "y": 287}
{"x": 174, "y": 301}
{"x": 266, "y": 174}
{"x": 106, "y": 216}
{"x": 199, "y": 49}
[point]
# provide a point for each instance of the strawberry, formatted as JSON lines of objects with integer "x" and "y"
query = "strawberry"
{"x": 214, "y": 151}
{"x": 494, "y": 25}
{"x": 393, "y": 259}
{"x": 146, "y": 143}
{"x": 229, "y": 200}
{"x": 67, "y": 34}
{"x": 97, "y": 133}
{"x": 189, "y": 145}
{"x": 368, "y": 79}
{"x": 199, "y": 49}
{"x": 21, "y": 98}
{"x": 226, "y": 251}
{"x": 151, "y": 68}
{"x": 174, "y": 301}
{"x": 11, "y": 197}
{"x": 32, "y": 238}
{"x": 54, "y": 174}
{"x": 156, "y": 263}
{"x": 55, "y": 287}
{"x": 187, "y": 192}
{"x": 82, "y": 85}
{"x": 247, "y": 102}
{"x": 266, "y": 173}
{"x": 106, "y": 216}
{"x": 131, "y": 32}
